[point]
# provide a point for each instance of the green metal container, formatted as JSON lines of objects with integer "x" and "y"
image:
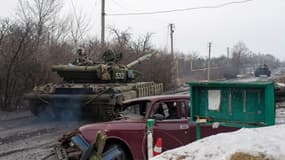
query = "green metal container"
{"x": 237, "y": 104}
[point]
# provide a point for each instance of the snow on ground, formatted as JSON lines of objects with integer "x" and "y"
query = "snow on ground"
{"x": 265, "y": 141}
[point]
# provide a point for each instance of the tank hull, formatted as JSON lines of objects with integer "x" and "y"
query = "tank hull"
{"x": 98, "y": 101}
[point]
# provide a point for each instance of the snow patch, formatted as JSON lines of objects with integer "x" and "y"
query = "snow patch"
{"x": 265, "y": 141}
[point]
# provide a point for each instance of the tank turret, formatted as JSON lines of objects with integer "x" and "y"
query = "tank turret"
{"x": 108, "y": 72}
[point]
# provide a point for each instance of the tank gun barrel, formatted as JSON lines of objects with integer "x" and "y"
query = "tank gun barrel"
{"x": 145, "y": 57}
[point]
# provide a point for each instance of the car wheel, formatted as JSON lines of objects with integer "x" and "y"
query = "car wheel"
{"x": 115, "y": 152}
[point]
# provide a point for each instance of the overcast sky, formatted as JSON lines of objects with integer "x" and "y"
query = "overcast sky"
{"x": 259, "y": 23}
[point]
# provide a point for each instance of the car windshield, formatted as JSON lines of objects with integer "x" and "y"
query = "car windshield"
{"x": 135, "y": 110}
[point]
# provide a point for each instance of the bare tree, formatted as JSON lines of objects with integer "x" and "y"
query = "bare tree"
{"x": 28, "y": 47}
{"x": 59, "y": 30}
{"x": 40, "y": 12}
{"x": 4, "y": 24}
{"x": 78, "y": 28}
{"x": 122, "y": 38}
{"x": 12, "y": 51}
{"x": 240, "y": 51}
{"x": 143, "y": 44}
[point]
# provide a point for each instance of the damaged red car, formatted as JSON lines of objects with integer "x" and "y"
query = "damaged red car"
{"x": 126, "y": 137}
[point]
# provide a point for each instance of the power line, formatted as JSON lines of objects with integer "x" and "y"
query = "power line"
{"x": 178, "y": 10}
{"x": 119, "y": 5}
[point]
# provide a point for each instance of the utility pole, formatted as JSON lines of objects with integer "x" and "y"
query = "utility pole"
{"x": 228, "y": 55}
{"x": 174, "y": 65}
{"x": 103, "y": 23}
{"x": 209, "y": 61}
{"x": 191, "y": 63}
{"x": 171, "y": 38}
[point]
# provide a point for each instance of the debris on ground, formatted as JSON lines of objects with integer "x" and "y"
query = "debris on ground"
{"x": 246, "y": 156}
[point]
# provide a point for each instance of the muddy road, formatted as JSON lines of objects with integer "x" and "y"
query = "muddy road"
{"x": 29, "y": 138}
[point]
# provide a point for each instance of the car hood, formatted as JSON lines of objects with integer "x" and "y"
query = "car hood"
{"x": 89, "y": 131}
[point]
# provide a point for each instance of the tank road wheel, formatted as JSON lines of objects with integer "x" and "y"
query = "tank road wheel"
{"x": 116, "y": 152}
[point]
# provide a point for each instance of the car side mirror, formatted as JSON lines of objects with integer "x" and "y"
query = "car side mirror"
{"x": 158, "y": 116}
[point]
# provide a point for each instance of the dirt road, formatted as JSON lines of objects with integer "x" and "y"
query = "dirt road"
{"x": 29, "y": 138}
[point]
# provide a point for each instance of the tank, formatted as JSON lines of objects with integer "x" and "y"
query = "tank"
{"x": 262, "y": 70}
{"x": 90, "y": 89}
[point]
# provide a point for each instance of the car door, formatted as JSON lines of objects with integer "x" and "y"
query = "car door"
{"x": 174, "y": 128}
